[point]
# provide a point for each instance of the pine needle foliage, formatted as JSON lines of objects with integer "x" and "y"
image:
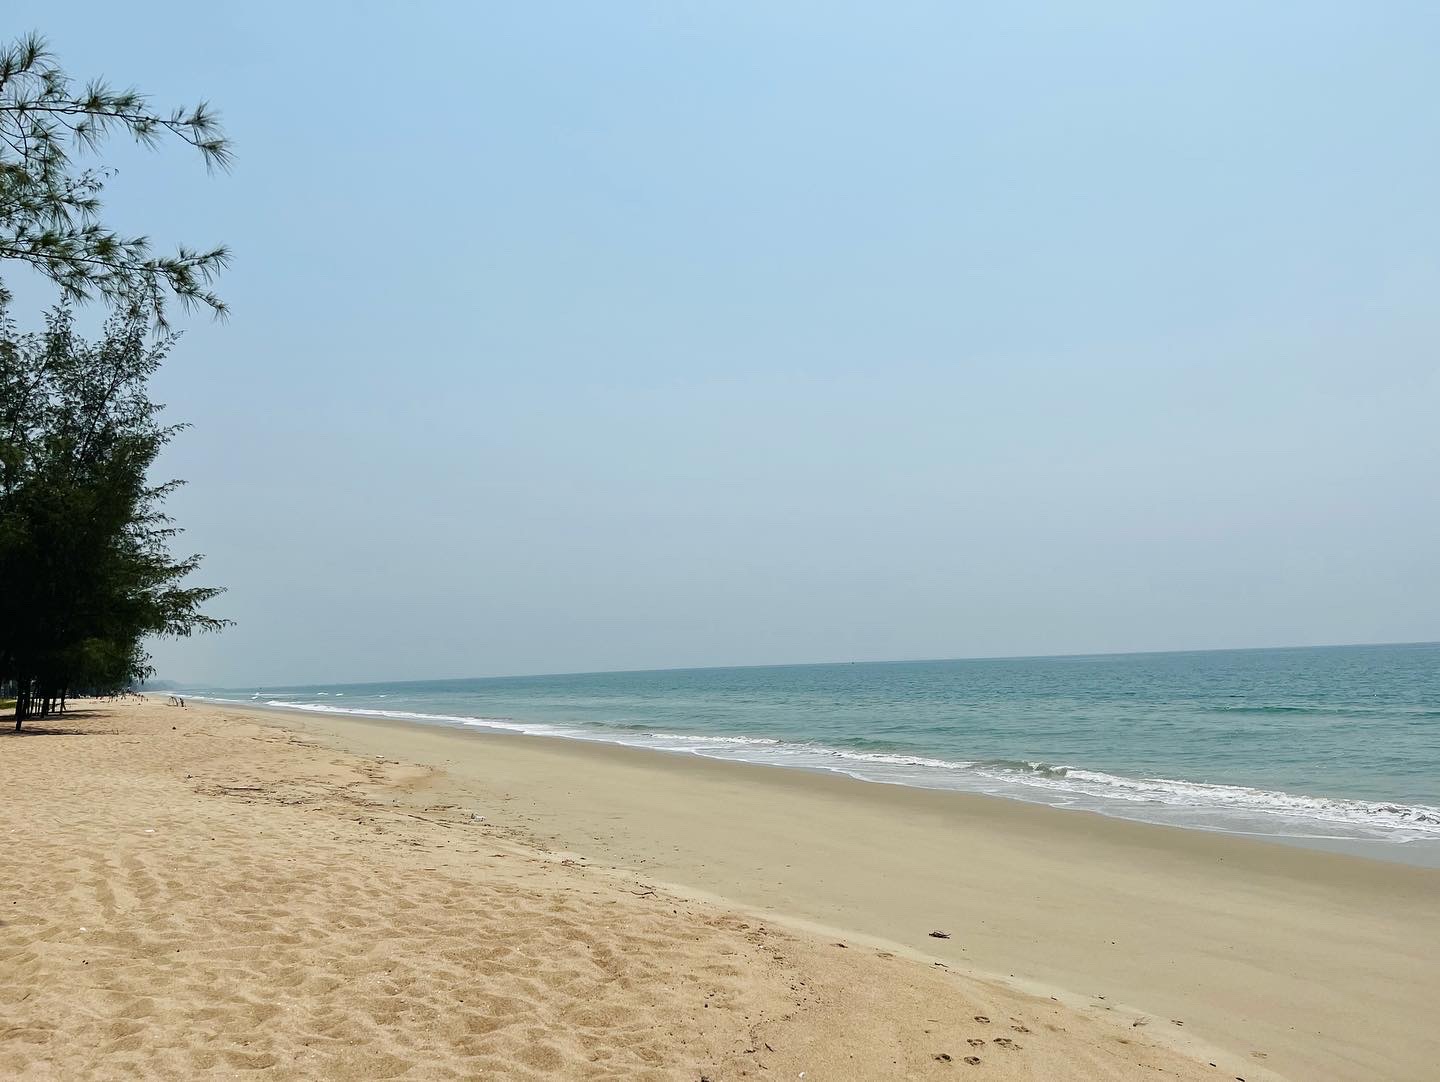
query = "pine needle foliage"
{"x": 50, "y": 205}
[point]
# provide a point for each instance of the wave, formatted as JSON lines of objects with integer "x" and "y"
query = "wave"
{"x": 1323, "y": 710}
{"x": 1235, "y": 808}
{"x": 1418, "y": 819}
{"x": 405, "y": 715}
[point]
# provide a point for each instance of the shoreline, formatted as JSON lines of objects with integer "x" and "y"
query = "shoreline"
{"x": 1220, "y": 932}
{"x": 201, "y": 892}
{"x": 1416, "y": 851}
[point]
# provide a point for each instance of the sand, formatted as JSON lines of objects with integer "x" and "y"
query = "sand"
{"x": 202, "y": 892}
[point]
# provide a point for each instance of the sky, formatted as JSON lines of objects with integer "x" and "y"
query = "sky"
{"x": 571, "y": 337}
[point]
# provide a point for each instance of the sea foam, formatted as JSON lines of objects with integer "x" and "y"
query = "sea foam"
{"x": 1221, "y": 807}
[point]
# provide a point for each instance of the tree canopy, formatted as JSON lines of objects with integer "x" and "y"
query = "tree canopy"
{"x": 50, "y": 204}
{"x": 84, "y": 541}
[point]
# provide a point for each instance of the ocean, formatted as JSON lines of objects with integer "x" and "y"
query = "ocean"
{"x": 1335, "y": 747}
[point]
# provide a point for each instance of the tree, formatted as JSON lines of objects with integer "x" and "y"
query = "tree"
{"x": 84, "y": 540}
{"x": 85, "y": 568}
{"x": 49, "y": 207}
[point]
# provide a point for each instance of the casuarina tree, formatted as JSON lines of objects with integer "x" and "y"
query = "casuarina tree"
{"x": 84, "y": 540}
{"x": 86, "y": 573}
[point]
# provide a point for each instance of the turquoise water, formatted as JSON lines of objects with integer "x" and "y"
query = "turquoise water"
{"x": 1320, "y": 745}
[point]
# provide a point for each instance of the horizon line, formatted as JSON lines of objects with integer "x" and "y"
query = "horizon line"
{"x": 823, "y": 664}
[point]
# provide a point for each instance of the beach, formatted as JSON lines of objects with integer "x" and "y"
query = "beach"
{"x": 213, "y": 890}
{"x": 1327, "y": 747}
{"x": 850, "y": 544}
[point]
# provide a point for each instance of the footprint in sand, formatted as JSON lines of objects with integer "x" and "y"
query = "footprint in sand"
{"x": 974, "y": 1061}
{"x": 982, "y": 1019}
{"x": 1021, "y": 1029}
{"x": 1006, "y": 1042}
{"x": 975, "y": 1042}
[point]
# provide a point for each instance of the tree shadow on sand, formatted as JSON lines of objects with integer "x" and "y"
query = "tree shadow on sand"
{"x": 60, "y": 726}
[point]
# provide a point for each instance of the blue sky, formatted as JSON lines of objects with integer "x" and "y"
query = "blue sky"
{"x": 574, "y": 337}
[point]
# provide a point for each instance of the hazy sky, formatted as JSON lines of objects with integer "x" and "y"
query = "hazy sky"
{"x": 587, "y": 336}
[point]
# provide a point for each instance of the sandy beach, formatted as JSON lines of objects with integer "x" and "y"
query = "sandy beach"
{"x": 207, "y": 891}
{"x": 824, "y": 543}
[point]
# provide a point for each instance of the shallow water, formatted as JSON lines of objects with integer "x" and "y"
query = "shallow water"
{"x": 1330, "y": 745}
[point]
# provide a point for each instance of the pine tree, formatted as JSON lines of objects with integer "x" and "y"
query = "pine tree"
{"x": 84, "y": 540}
{"x": 86, "y": 573}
